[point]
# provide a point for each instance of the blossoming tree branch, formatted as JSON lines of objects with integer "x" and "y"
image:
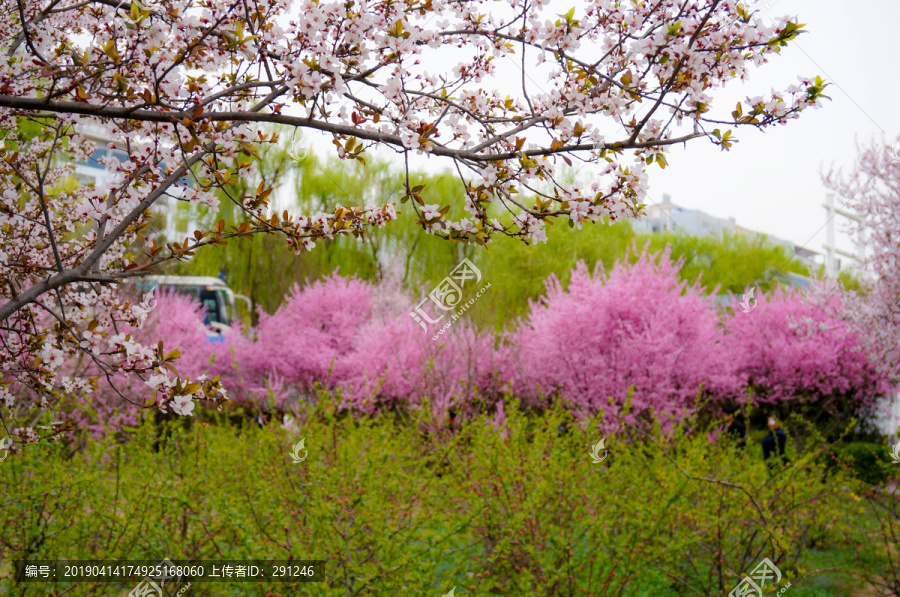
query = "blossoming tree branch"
{"x": 189, "y": 89}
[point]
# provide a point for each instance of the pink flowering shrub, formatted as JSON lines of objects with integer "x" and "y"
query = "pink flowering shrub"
{"x": 352, "y": 336}
{"x": 793, "y": 350}
{"x": 638, "y": 325}
{"x": 395, "y": 364}
{"x": 301, "y": 342}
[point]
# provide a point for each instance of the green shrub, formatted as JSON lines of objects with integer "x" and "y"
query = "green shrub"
{"x": 521, "y": 510}
{"x": 868, "y": 462}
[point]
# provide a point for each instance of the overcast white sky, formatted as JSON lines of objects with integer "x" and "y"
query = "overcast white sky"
{"x": 770, "y": 181}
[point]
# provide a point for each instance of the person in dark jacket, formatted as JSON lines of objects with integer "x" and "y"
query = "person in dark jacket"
{"x": 451, "y": 419}
{"x": 263, "y": 417}
{"x": 774, "y": 441}
{"x": 734, "y": 418}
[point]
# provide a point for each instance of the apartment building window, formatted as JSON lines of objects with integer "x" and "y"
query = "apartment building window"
{"x": 94, "y": 160}
{"x": 85, "y": 179}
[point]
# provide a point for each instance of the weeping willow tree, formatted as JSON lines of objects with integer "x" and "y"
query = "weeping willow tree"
{"x": 264, "y": 269}
{"x": 731, "y": 262}
{"x": 404, "y": 245}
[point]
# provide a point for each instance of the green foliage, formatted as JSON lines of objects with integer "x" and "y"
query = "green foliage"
{"x": 398, "y": 510}
{"x": 848, "y": 278}
{"x": 732, "y": 262}
{"x": 880, "y": 531}
{"x": 870, "y": 463}
{"x": 517, "y": 271}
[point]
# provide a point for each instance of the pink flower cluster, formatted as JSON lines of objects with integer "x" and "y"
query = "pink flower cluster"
{"x": 346, "y": 334}
{"x": 178, "y": 321}
{"x": 636, "y": 334}
{"x": 803, "y": 349}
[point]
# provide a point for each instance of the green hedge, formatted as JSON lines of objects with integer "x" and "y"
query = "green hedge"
{"x": 395, "y": 511}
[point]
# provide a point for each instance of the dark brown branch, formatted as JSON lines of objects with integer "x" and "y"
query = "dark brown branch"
{"x": 114, "y": 112}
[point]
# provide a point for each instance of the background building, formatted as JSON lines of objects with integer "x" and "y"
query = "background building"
{"x": 178, "y": 222}
{"x": 669, "y": 217}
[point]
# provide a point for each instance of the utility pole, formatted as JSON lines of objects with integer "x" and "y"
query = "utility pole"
{"x": 831, "y": 251}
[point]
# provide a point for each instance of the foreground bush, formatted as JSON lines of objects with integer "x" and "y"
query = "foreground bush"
{"x": 870, "y": 463}
{"x": 519, "y": 510}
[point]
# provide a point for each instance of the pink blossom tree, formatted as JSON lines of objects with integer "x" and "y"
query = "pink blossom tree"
{"x": 797, "y": 353}
{"x": 177, "y": 320}
{"x": 638, "y": 327}
{"x": 872, "y": 190}
{"x": 395, "y": 366}
{"x": 185, "y": 87}
{"x": 351, "y": 336}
